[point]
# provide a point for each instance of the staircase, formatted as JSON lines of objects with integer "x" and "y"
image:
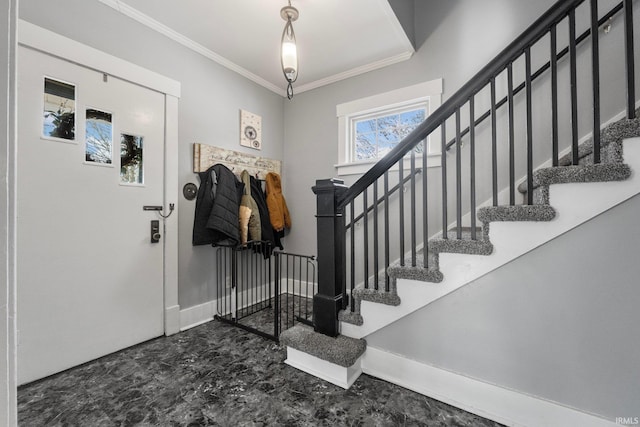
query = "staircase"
{"x": 503, "y": 236}
{"x": 362, "y": 289}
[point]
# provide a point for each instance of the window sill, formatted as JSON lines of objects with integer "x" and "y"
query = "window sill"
{"x": 360, "y": 168}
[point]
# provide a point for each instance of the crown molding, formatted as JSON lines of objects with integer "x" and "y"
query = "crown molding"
{"x": 185, "y": 41}
{"x": 151, "y": 23}
{"x": 355, "y": 71}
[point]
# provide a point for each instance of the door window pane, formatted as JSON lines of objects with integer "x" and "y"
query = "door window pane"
{"x": 59, "y": 109}
{"x": 99, "y": 137}
{"x": 131, "y": 166}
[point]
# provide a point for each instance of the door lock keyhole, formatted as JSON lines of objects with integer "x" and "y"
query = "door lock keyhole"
{"x": 155, "y": 231}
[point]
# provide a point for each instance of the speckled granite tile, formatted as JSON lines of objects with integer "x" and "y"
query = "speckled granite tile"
{"x": 219, "y": 375}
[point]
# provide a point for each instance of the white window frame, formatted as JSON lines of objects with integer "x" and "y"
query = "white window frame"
{"x": 428, "y": 92}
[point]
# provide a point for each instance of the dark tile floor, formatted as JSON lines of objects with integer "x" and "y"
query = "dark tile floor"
{"x": 219, "y": 375}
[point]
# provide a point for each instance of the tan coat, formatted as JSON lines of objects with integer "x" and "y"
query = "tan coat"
{"x": 278, "y": 211}
{"x": 249, "y": 215}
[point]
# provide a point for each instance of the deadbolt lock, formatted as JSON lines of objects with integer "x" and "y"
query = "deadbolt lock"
{"x": 155, "y": 231}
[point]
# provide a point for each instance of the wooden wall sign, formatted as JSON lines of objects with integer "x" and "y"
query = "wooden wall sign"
{"x": 205, "y": 156}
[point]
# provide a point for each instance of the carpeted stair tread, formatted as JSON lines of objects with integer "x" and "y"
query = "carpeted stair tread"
{"x": 341, "y": 350}
{"x": 360, "y": 294}
{"x": 611, "y": 134}
{"x": 480, "y": 246}
{"x": 601, "y": 172}
{"x": 417, "y": 272}
{"x": 379, "y": 295}
{"x": 352, "y": 317}
{"x": 516, "y": 213}
{"x": 611, "y": 138}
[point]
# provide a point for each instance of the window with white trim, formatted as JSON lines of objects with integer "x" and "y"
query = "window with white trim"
{"x": 370, "y": 127}
{"x": 374, "y": 135}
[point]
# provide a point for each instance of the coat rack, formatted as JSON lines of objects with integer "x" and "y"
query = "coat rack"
{"x": 205, "y": 156}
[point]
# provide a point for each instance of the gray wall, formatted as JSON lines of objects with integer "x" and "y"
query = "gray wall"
{"x": 8, "y": 14}
{"x": 454, "y": 39}
{"x": 403, "y": 9}
{"x": 209, "y": 107}
{"x": 557, "y": 323}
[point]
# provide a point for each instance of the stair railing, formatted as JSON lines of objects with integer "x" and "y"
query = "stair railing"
{"x": 336, "y": 202}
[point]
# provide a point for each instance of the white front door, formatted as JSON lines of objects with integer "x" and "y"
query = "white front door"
{"x": 90, "y": 156}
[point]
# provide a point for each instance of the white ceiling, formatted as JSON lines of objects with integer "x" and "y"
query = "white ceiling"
{"x": 336, "y": 38}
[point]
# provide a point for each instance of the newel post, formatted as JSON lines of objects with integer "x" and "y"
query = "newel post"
{"x": 331, "y": 256}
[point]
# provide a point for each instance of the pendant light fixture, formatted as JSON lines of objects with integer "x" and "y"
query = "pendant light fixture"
{"x": 289, "y": 51}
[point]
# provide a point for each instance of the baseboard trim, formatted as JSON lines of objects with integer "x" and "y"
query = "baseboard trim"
{"x": 486, "y": 400}
{"x": 203, "y": 313}
{"x": 171, "y": 320}
{"x": 197, "y": 315}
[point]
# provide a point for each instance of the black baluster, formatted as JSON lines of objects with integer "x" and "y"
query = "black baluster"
{"x": 401, "y": 199}
{"x": 413, "y": 208}
{"x": 376, "y": 265}
{"x": 444, "y": 178}
{"x": 458, "y": 177}
{"x": 512, "y": 151}
{"x": 529, "y": 127}
{"x": 629, "y": 59}
{"x": 353, "y": 252}
{"x": 472, "y": 165}
{"x": 425, "y": 216}
{"x": 595, "y": 67}
{"x": 554, "y": 96}
{"x": 494, "y": 144}
{"x": 386, "y": 229}
{"x": 365, "y": 232}
{"x": 574, "y": 86}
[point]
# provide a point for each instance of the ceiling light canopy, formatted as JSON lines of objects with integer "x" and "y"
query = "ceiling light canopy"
{"x": 289, "y": 50}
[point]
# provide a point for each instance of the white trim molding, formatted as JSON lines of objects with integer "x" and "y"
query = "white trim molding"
{"x": 499, "y": 404}
{"x": 355, "y": 71}
{"x": 54, "y": 44}
{"x": 171, "y": 198}
{"x": 9, "y": 142}
{"x": 185, "y": 41}
{"x": 197, "y": 315}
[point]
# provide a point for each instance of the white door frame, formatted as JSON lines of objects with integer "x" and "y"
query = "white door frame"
{"x": 32, "y": 36}
{"x": 8, "y": 85}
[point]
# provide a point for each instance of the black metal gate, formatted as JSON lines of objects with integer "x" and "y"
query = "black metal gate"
{"x": 264, "y": 291}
